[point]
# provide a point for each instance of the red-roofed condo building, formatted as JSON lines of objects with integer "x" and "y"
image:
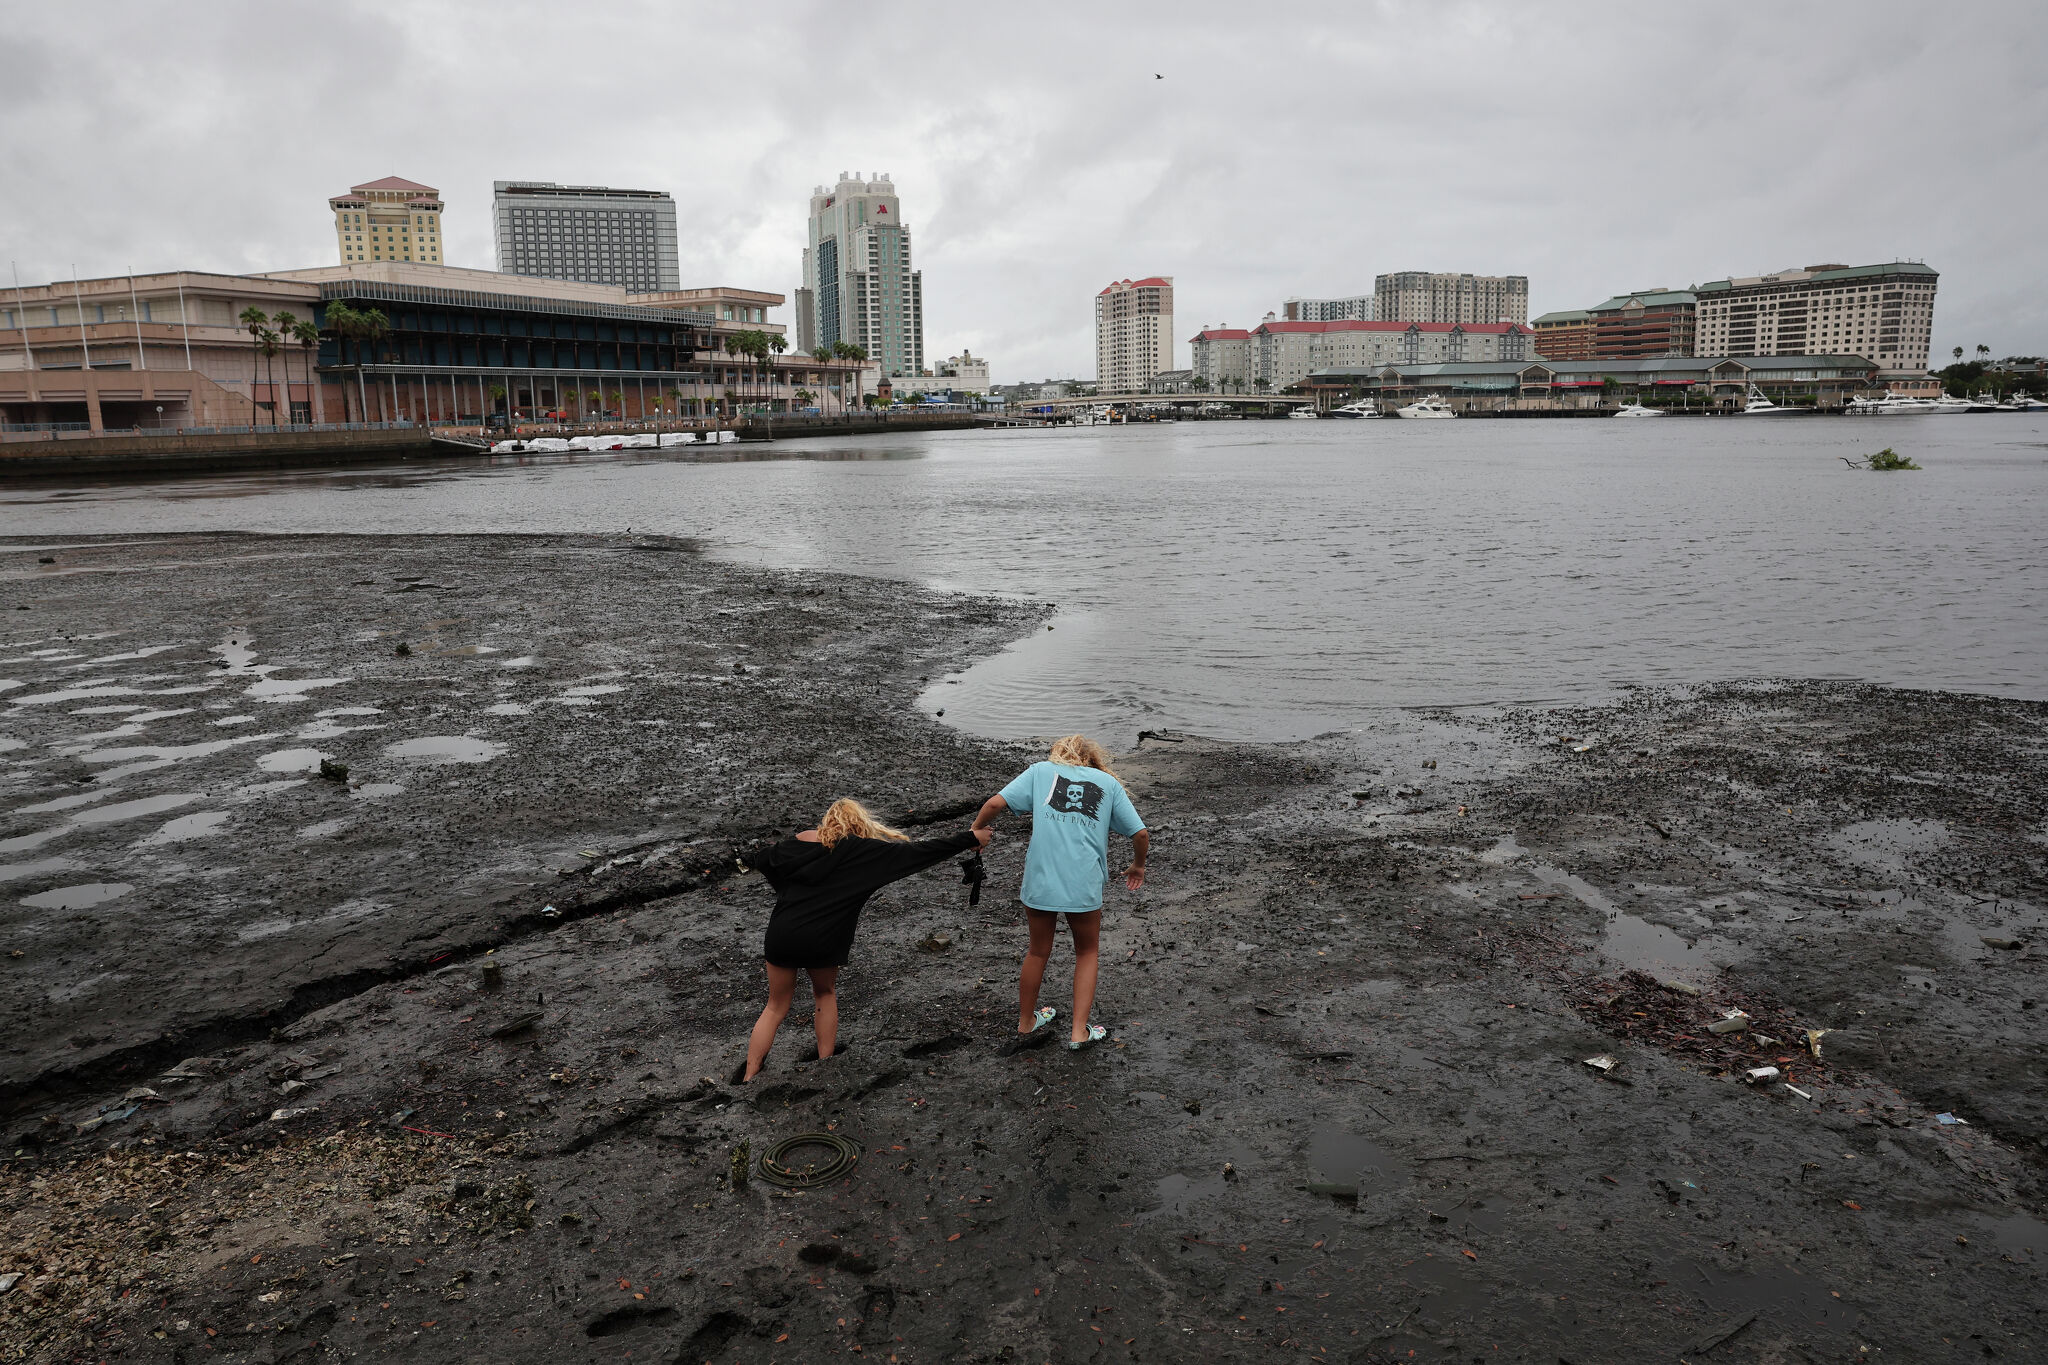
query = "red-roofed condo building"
{"x": 389, "y": 220}
{"x": 1221, "y": 359}
{"x": 1133, "y": 333}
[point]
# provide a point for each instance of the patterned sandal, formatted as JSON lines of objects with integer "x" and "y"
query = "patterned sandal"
{"x": 1096, "y": 1033}
{"x": 1036, "y": 1036}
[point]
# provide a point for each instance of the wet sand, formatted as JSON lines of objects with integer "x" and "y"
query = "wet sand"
{"x": 1345, "y": 1111}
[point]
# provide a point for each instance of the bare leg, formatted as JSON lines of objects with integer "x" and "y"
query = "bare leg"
{"x": 1033, "y": 975}
{"x": 825, "y": 1007}
{"x": 1087, "y": 932}
{"x": 781, "y": 990}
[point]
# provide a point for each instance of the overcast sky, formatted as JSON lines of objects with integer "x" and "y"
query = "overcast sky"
{"x": 1288, "y": 149}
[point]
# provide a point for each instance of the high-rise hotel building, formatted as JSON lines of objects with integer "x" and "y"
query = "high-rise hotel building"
{"x": 860, "y": 284}
{"x": 1426, "y": 296}
{"x": 1883, "y": 313}
{"x": 388, "y": 220}
{"x": 1133, "y": 333}
{"x": 589, "y": 233}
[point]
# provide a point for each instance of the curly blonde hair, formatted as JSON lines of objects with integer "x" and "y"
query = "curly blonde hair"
{"x": 1079, "y": 751}
{"x": 848, "y": 817}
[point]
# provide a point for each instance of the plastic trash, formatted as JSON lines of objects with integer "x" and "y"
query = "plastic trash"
{"x": 1758, "y": 1074}
{"x": 9, "y": 1280}
{"x": 1682, "y": 987}
{"x": 1602, "y": 1063}
{"x": 1797, "y": 1091}
{"x": 1813, "y": 1037}
{"x": 2005, "y": 941}
{"x": 281, "y": 1115}
{"x": 1946, "y": 1119}
{"x": 1735, "y": 1021}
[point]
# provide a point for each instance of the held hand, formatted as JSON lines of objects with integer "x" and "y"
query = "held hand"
{"x": 983, "y": 834}
{"x": 1134, "y": 876}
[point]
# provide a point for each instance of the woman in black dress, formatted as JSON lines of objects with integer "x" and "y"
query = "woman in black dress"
{"x": 822, "y": 878}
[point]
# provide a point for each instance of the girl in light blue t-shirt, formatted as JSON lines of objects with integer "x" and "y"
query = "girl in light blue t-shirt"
{"x": 1075, "y": 803}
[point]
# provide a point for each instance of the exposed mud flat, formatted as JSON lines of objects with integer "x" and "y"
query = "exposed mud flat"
{"x": 1345, "y": 1114}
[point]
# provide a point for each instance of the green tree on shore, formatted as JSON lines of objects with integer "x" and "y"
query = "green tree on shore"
{"x": 282, "y": 323}
{"x": 308, "y": 336}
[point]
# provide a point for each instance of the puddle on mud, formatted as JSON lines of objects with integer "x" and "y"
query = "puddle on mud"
{"x": 78, "y": 897}
{"x": 445, "y": 749}
{"x": 107, "y": 710}
{"x": 1783, "y": 1299}
{"x": 370, "y": 791}
{"x": 330, "y": 729}
{"x": 1352, "y": 1166}
{"x": 334, "y": 711}
{"x": 12, "y": 872}
{"x": 1179, "y": 1194}
{"x": 1888, "y": 845}
{"x": 198, "y": 825}
{"x": 1630, "y": 941}
{"x": 573, "y": 701}
{"x": 2015, "y": 1235}
{"x": 292, "y": 761}
{"x": 275, "y": 690}
{"x": 325, "y": 828}
{"x": 236, "y": 720}
{"x": 523, "y": 661}
{"x": 130, "y": 810}
{"x": 134, "y": 654}
{"x": 238, "y": 652}
{"x": 593, "y": 690}
{"x": 67, "y": 802}
{"x": 509, "y": 708}
{"x": 467, "y": 651}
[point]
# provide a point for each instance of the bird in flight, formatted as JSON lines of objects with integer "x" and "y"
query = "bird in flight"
{"x": 1157, "y": 77}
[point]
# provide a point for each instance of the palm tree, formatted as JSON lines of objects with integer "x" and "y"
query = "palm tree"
{"x": 255, "y": 319}
{"x": 847, "y": 350}
{"x": 283, "y": 322}
{"x": 308, "y": 336}
{"x": 1959, "y": 354}
{"x": 362, "y": 326}
{"x": 619, "y": 401}
{"x": 776, "y": 344}
{"x": 497, "y": 392}
{"x": 1983, "y": 353}
{"x": 268, "y": 343}
{"x": 595, "y": 397}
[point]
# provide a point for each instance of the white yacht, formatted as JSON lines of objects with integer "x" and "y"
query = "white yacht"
{"x": 1305, "y": 411}
{"x": 2021, "y": 402}
{"x": 1358, "y": 407}
{"x": 1637, "y": 410}
{"x": 1859, "y": 406}
{"x": 1760, "y": 405}
{"x": 1948, "y": 403}
{"x": 1431, "y": 406}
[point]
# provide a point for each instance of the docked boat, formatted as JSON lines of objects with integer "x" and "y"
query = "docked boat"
{"x": 1310, "y": 413}
{"x": 1860, "y": 406}
{"x": 1637, "y": 410}
{"x": 2022, "y": 402}
{"x": 1358, "y": 407}
{"x": 1950, "y": 405}
{"x": 1431, "y": 406}
{"x": 1758, "y": 405}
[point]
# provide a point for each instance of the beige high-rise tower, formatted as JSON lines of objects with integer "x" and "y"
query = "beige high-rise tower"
{"x": 1133, "y": 332}
{"x": 388, "y": 220}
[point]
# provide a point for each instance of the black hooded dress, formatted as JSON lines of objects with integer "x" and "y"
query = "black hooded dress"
{"x": 819, "y": 891}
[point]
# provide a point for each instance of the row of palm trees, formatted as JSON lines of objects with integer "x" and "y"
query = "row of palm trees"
{"x": 1983, "y": 354}
{"x": 268, "y": 336}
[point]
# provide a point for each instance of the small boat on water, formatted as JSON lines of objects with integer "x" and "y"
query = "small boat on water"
{"x": 1358, "y": 407}
{"x": 1759, "y": 406}
{"x": 1859, "y": 406}
{"x": 1949, "y": 405}
{"x": 1310, "y": 413}
{"x": 1431, "y": 406}
{"x": 2022, "y": 402}
{"x": 1637, "y": 410}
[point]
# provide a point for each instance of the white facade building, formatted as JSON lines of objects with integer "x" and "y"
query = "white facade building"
{"x": 967, "y": 372}
{"x": 1284, "y": 353}
{"x": 860, "y": 284}
{"x": 1430, "y": 296}
{"x": 1883, "y": 313}
{"x": 1133, "y": 333}
{"x": 1221, "y": 358}
{"x": 1358, "y": 308}
{"x": 586, "y": 232}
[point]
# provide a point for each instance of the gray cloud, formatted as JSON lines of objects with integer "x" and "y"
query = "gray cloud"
{"x": 1290, "y": 150}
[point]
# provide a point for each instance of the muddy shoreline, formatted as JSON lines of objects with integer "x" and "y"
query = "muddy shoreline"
{"x": 1346, "y": 1113}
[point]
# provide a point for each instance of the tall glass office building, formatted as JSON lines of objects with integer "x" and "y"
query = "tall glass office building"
{"x": 859, "y": 282}
{"x": 589, "y": 233}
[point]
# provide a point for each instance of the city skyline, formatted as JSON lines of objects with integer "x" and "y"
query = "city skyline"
{"x": 1022, "y": 208}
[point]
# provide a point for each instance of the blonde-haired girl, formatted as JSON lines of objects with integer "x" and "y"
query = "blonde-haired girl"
{"x": 1075, "y": 803}
{"x": 822, "y": 879}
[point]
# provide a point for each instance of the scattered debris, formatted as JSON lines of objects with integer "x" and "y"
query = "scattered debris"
{"x": 2002, "y": 941}
{"x": 333, "y": 771}
{"x": 1947, "y": 1119}
{"x": 493, "y": 977}
{"x": 404, "y": 650}
{"x": 1682, "y": 987}
{"x": 1602, "y": 1063}
{"x": 1813, "y": 1037}
{"x": 1735, "y": 1021}
{"x": 518, "y": 1023}
{"x": 1758, "y": 1074}
{"x": 936, "y": 942}
{"x": 1797, "y": 1091}
{"x": 281, "y": 1115}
